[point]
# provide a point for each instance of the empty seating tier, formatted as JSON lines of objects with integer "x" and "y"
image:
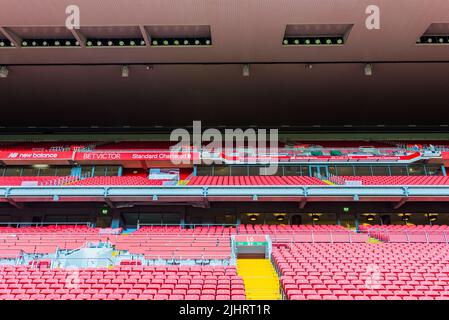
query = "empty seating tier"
{"x": 304, "y": 233}
{"x": 179, "y": 244}
{"x": 393, "y": 180}
{"x": 45, "y": 240}
{"x": 117, "y": 181}
{"x": 386, "y": 271}
{"x": 30, "y": 180}
{"x": 121, "y": 283}
{"x": 408, "y": 233}
{"x": 254, "y": 180}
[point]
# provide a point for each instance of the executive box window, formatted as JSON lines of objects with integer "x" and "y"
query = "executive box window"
{"x": 398, "y": 171}
{"x": 362, "y": 170}
{"x": 101, "y": 171}
{"x": 345, "y": 170}
{"x": 35, "y": 171}
{"x": 380, "y": 171}
{"x": 239, "y": 171}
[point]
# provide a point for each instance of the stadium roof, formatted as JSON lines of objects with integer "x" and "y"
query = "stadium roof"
{"x": 171, "y": 86}
{"x": 241, "y": 31}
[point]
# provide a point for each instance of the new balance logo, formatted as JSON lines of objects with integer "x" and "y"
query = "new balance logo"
{"x": 13, "y": 155}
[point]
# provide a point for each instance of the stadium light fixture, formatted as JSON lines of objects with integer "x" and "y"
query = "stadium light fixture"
{"x": 245, "y": 70}
{"x": 4, "y": 72}
{"x": 279, "y": 216}
{"x": 252, "y": 217}
{"x": 368, "y": 70}
{"x": 125, "y": 71}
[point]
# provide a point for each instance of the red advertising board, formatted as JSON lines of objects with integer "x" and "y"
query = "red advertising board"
{"x": 134, "y": 156}
{"x": 33, "y": 156}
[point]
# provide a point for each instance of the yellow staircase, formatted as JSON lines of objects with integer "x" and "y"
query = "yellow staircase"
{"x": 260, "y": 279}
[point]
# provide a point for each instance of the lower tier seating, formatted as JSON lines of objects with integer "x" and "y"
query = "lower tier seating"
{"x": 121, "y": 283}
{"x": 393, "y": 180}
{"x": 30, "y": 180}
{"x": 343, "y": 271}
{"x": 175, "y": 243}
{"x": 254, "y": 180}
{"x": 408, "y": 233}
{"x": 117, "y": 181}
{"x": 304, "y": 233}
{"x": 45, "y": 240}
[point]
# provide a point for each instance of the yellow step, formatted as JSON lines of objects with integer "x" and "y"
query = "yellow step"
{"x": 260, "y": 279}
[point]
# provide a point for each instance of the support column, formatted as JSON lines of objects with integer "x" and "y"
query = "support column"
{"x": 357, "y": 222}
{"x": 116, "y": 219}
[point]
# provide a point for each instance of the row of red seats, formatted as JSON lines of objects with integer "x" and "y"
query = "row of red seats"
{"x": 363, "y": 271}
{"x": 117, "y": 181}
{"x": 254, "y": 180}
{"x": 215, "y": 230}
{"x": 408, "y": 233}
{"x": 394, "y": 180}
{"x": 46, "y": 239}
{"x": 121, "y": 283}
{"x": 27, "y": 180}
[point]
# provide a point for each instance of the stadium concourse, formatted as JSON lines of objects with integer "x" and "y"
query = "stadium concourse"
{"x": 352, "y": 220}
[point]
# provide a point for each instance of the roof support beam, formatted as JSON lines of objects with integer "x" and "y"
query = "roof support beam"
{"x": 400, "y": 203}
{"x": 303, "y": 203}
{"x": 145, "y": 35}
{"x": 15, "y": 39}
{"x": 79, "y": 37}
{"x": 109, "y": 203}
{"x": 15, "y": 204}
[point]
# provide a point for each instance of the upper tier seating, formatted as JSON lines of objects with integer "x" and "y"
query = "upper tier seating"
{"x": 387, "y": 271}
{"x": 121, "y": 283}
{"x": 117, "y": 181}
{"x": 408, "y": 233}
{"x": 394, "y": 180}
{"x": 21, "y": 180}
{"x": 175, "y": 243}
{"x": 304, "y": 233}
{"x": 45, "y": 240}
{"x": 254, "y": 180}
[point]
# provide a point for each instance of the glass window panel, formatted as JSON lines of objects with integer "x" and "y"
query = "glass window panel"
{"x": 416, "y": 170}
{"x": 30, "y": 171}
{"x": 12, "y": 171}
{"x": 292, "y": 170}
{"x": 304, "y": 170}
{"x": 64, "y": 171}
{"x": 239, "y": 171}
{"x": 204, "y": 171}
{"x": 86, "y": 170}
{"x": 398, "y": 170}
{"x": 47, "y": 171}
{"x": 221, "y": 171}
{"x": 380, "y": 171}
{"x": 112, "y": 171}
{"x": 345, "y": 171}
{"x": 254, "y": 170}
{"x": 362, "y": 170}
{"x": 100, "y": 171}
{"x": 433, "y": 170}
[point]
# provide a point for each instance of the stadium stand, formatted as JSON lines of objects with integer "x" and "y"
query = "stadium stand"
{"x": 173, "y": 243}
{"x": 363, "y": 271}
{"x": 46, "y": 240}
{"x": 393, "y": 180}
{"x": 122, "y": 282}
{"x": 408, "y": 233}
{"x": 117, "y": 181}
{"x": 33, "y": 180}
{"x": 255, "y": 180}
